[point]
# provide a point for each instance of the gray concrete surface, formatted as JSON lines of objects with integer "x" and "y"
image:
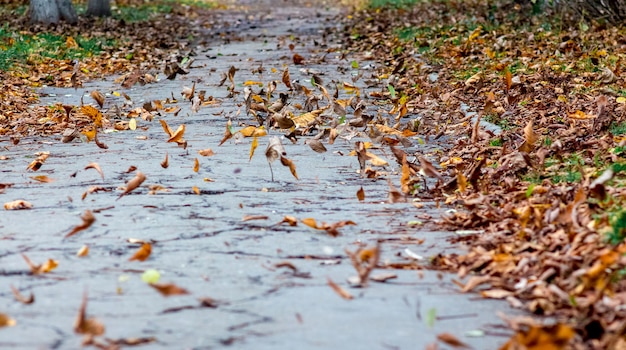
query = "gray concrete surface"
{"x": 200, "y": 241}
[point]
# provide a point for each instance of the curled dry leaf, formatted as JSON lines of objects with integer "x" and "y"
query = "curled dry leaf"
{"x": 38, "y": 162}
{"x": 290, "y": 220}
{"x": 133, "y": 183}
{"x": 331, "y": 229}
{"x": 42, "y": 178}
{"x": 316, "y": 145}
{"x": 339, "y": 290}
{"x": 21, "y": 298}
{"x": 42, "y": 268}
{"x": 17, "y": 205}
{"x": 287, "y": 79}
{"x": 83, "y": 251}
{"x": 168, "y": 289}
{"x": 95, "y": 166}
{"x": 292, "y": 167}
{"x": 254, "y": 217}
{"x": 88, "y": 326}
{"x": 98, "y": 97}
{"x": 452, "y": 340}
{"x": 206, "y": 152}
{"x": 94, "y": 189}
{"x": 228, "y": 133}
{"x": 177, "y": 136}
{"x": 142, "y": 253}
{"x": 88, "y": 220}
{"x": 360, "y": 194}
{"x": 6, "y": 321}
{"x": 165, "y": 163}
{"x": 196, "y": 165}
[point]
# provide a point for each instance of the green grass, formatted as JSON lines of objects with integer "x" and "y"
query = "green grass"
{"x": 18, "y": 48}
{"x": 618, "y": 129}
{"x": 391, "y": 3}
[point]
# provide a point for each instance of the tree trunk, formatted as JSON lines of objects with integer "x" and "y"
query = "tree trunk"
{"x": 99, "y": 8}
{"x": 52, "y": 11}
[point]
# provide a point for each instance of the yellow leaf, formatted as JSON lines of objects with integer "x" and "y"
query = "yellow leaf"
{"x": 132, "y": 124}
{"x": 580, "y": 115}
{"x": 90, "y": 133}
{"x": 166, "y": 128}
{"x": 70, "y": 43}
{"x": 253, "y": 146}
{"x": 621, "y": 100}
{"x": 178, "y": 134}
{"x": 83, "y": 251}
{"x": 252, "y": 82}
{"x": 292, "y": 167}
{"x": 196, "y": 165}
{"x": 93, "y": 114}
{"x": 196, "y": 190}
{"x": 248, "y": 131}
{"x": 376, "y": 160}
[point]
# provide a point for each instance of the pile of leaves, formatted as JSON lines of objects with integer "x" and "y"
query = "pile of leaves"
{"x": 66, "y": 55}
{"x": 534, "y": 109}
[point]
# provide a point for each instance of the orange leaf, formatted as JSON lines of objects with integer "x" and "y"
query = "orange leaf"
{"x": 196, "y": 165}
{"x": 227, "y": 134}
{"x": 88, "y": 220}
{"x": 360, "y": 194}
{"x": 133, "y": 183}
{"x": 206, "y": 152}
{"x": 166, "y": 128}
{"x": 142, "y": 253}
{"x": 95, "y": 166}
{"x": 292, "y": 167}
{"x": 287, "y": 79}
{"x": 165, "y": 163}
{"x": 22, "y": 299}
{"x": 168, "y": 289}
{"x": 17, "y": 205}
{"x": 84, "y": 325}
{"x": 342, "y": 292}
{"x": 42, "y": 178}
{"x": 177, "y": 136}
{"x": 451, "y": 340}
{"x": 83, "y": 251}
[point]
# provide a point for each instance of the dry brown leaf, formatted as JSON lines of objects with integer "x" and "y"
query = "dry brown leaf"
{"x": 88, "y": 220}
{"x": 254, "y": 217}
{"x": 83, "y": 251}
{"x": 177, "y": 136}
{"x": 292, "y": 167}
{"x": 452, "y": 340}
{"x": 17, "y": 205}
{"x": 133, "y": 183}
{"x": 166, "y": 162}
{"x": 42, "y": 268}
{"x": 42, "y": 178}
{"x": 99, "y": 97}
{"x": 339, "y": 290}
{"x": 95, "y": 166}
{"x": 360, "y": 194}
{"x": 290, "y": 220}
{"x": 316, "y": 145}
{"x": 406, "y": 176}
{"x": 228, "y": 133}
{"x": 166, "y": 128}
{"x": 529, "y": 138}
{"x": 287, "y": 79}
{"x": 6, "y": 321}
{"x": 298, "y": 59}
{"x": 38, "y": 162}
{"x": 94, "y": 189}
{"x": 496, "y": 293}
{"x": 206, "y": 152}
{"x": 142, "y": 253}
{"x": 196, "y": 165}
{"x": 168, "y": 289}
{"x": 88, "y": 326}
{"x": 22, "y": 299}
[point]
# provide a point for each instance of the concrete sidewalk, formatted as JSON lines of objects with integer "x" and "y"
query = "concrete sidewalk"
{"x": 200, "y": 242}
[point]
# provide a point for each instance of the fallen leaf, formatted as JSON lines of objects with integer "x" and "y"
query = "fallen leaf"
{"x": 43, "y": 268}
{"x": 360, "y": 194}
{"x": 195, "y": 190}
{"x": 196, "y": 165}
{"x": 177, "y": 136}
{"x": 22, "y": 299}
{"x": 88, "y": 326}
{"x": 253, "y": 146}
{"x": 99, "y": 97}
{"x": 168, "y": 289}
{"x": 95, "y": 166}
{"x": 254, "y": 217}
{"x": 206, "y": 152}
{"x": 452, "y": 340}
{"x": 165, "y": 163}
{"x": 83, "y": 251}
{"x": 88, "y": 220}
{"x": 133, "y": 183}
{"x": 290, "y": 220}
{"x": 6, "y": 321}
{"x": 142, "y": 253}
{"x": 292, "y": 167}
{"x": 316, "y": 145}
{"x": 42, "y": 178}
{"x": 38, "y": 162}
{"x": 339, "y": 290}
{"x": 287, "y": 79}
{"x": 17, "y": 205}
{"x": 228, "y": 133}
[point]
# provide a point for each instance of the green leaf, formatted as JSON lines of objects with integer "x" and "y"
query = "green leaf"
{"x": 529, "y": 190}
{"x": 150, "y": 276}
{"x": 431, "y": 316}
{"x": 355, "y": 64}
{"x": 392, "y": 91}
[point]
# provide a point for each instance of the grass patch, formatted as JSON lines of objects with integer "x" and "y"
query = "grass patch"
{"x": 17, "y": 48}
{"x": 391, "y": 3}
{"x": 618, "y": 128}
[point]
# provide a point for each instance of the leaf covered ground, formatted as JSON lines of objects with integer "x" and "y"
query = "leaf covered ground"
{"x": 537, "y": 190}
{"x": 532, "y": 108}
